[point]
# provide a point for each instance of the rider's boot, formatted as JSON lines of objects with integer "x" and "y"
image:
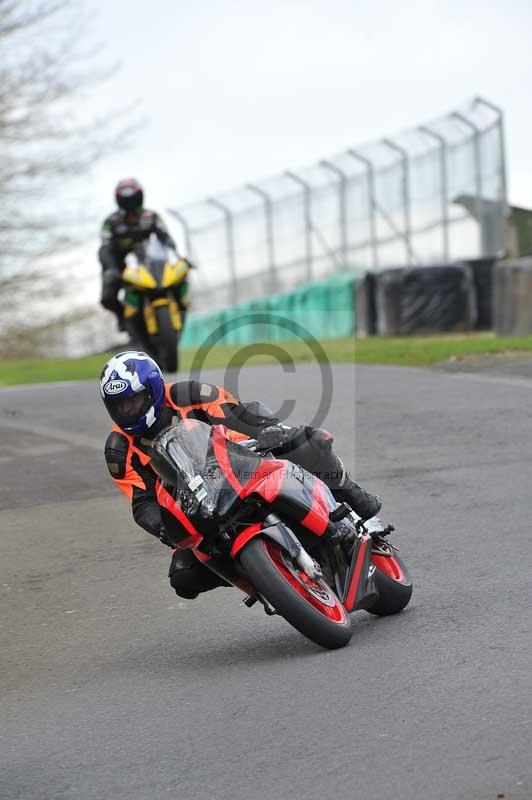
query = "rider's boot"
{"x": 188, "y": 577}
{"x": 345, "y": 490}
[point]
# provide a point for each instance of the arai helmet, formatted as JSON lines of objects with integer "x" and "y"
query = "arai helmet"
{"x": 132, "y": 388}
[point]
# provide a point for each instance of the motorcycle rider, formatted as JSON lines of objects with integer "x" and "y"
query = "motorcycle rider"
{"x": 121, "y": 232}
{"x": 141, "y": 404}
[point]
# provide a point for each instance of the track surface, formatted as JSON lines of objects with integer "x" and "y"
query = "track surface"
{"x": 114, "y": 688}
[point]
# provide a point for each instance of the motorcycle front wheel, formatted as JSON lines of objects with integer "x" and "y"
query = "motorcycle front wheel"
{"x": 168, "y": 340}
{"x": 308, "y": 605}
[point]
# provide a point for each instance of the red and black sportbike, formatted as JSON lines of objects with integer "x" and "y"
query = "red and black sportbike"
{"x": 276, "y": 532}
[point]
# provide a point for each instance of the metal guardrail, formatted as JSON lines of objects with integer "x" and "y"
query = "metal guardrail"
{"x": 433, "y": 194}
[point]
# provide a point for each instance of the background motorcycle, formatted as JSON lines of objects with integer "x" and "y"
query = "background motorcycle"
{"x": 154, "y": 299}
{"x": 275, "y": 531}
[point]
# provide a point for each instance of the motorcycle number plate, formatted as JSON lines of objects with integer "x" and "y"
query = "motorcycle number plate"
{"x": 197, "y": 486}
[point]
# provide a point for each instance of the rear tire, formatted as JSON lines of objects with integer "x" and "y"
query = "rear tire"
{"x": 294, "y": 596}
{"x": 168, "y": 340}
{"x": 393, "y": 583}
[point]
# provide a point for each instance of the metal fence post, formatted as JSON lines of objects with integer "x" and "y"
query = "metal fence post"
{"x": 270, "y": 242}
{"x": 342, "y": 200}
{"x": 503, "y": 182}
{"x": 186, "y": 230}
{"x": 478, "y": 174}
{"x": 444, "y": 183}
{"x": 502, "y": 149}
{"x": 372, "y": 203}
{"x": 230, "y": 242}
{"x": 405, "y": 180}
{"x": 307, "y": 193}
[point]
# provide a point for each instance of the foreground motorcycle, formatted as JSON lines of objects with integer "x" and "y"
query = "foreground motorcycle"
{"x": 276, "y": 532}
{"x": 154, "y": 280}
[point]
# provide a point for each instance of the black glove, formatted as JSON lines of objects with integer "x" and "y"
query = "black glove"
{"x": 192, "y": 506}
{"x": 273, "y": 437}
{"x": 189, "y": 504}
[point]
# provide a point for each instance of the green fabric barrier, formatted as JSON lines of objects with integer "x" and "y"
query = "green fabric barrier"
{"x": 323, "y": 310}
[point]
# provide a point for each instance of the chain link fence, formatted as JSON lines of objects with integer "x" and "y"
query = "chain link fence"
{"x": 434, "y": 194}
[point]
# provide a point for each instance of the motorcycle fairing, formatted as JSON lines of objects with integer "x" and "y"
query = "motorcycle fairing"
{"x": 288, "y": 488}
{"x": 193, "y": 454}
{"x": 150, "y": 271}
{"x": 139, "y": 277}
{"x": 173, "y": 273}
{"x": 168, "y": 502}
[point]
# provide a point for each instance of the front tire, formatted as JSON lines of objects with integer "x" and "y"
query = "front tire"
{"x": 309, "y": 606}
{"x": 168, "y": 340}
{"x": 393, "y": 583}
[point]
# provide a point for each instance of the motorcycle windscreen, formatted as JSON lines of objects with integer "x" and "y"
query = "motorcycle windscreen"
{"x": 152, "y": 255}
{"x": 184, "y": 458}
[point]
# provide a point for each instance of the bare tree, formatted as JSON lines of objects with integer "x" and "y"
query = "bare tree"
{"x": 48, "y": 79}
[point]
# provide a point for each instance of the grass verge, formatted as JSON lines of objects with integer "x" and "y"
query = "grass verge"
{"x": 421, "y": 351}
{"x": 407, "y": 351}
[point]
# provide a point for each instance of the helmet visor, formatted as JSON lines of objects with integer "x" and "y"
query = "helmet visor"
{"x": 129, "y": 200}
{"x": 127, "y": 411}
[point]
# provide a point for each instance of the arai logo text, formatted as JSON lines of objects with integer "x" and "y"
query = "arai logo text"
{"x": 115, "y": 387}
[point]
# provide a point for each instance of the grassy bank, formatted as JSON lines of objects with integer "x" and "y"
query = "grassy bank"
{"x": 426, "y": 350}
{"x": 415, "y": 351}
{"x": 21, "y": 371}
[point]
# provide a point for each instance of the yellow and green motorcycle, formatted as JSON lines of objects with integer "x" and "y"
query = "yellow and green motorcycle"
{"x": 155, "y": 300}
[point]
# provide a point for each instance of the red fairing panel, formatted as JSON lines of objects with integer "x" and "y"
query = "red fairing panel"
{"x": 219, "y": 443}
{"x": 317, "y": 518}
{"x": 166, "y": 500}
{"x": 266, "y": 480}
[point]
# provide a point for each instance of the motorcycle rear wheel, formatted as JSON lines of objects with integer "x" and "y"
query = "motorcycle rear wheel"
{"x": 309, "y": 606}
{"x": 168, "y": 340}
{"x": 394, "y": 585}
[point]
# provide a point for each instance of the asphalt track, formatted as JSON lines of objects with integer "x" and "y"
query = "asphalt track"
{"x": 113, "y": 688}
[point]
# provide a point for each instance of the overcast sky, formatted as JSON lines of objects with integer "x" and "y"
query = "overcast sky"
{"x": 237, "y": 91}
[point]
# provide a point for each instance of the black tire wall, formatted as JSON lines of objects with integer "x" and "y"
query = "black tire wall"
{"x": 513, "y": 297}
{"x": 425, "y": 300}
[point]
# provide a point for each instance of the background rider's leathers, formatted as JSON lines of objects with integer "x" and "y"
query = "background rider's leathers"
{"x": 120, "y": 233}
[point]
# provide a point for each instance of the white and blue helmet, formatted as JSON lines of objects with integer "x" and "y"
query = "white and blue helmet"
{"x": 132, "y": 388}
